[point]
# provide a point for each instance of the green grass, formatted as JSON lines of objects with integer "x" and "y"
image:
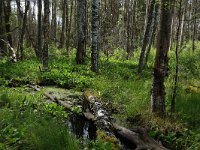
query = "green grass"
{"x": 26, "y": 123}
{"x": 119, "y": 86}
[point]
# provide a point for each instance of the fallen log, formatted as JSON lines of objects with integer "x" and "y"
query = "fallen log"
{"x": 11, "y": 54}
{"x": 66, "y": 105}
{"x": 138, "y": 138}
{"x": 52, "y": 98}
{"x": 93, "y": 110}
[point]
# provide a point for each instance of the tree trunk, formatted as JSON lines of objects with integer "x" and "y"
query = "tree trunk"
{"x": 161, "y": 60}
{"x": 2, "y": 29}
{"x": 54, "y": 21}
{"x": 81, "y": 31}
{"x": 46, "y": 36}
{"x": 39, "y": 31}
{"x": 177, "y": 58}
{"x": 69, "y": 27}
{"x": 62, "y": 37}
{"x": 95, "y": 36}
{"x": 194, "y": 3}
{"x": 137, "y": 139}
{"x": 20, "y": 48}
{"x": 153, "y": 34}
{"x": 183, "y": 22}
{"x": 146, "y": 36}
{"x": 7, "y": 12}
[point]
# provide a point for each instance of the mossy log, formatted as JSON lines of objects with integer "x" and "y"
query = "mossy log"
{"x": 93, "y": 109}
{"x": 193, "y": 89}
{"x": 137, "y": 139}
{"x": 65, "y": 104}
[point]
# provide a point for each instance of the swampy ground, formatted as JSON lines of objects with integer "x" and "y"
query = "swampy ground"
{"x": 30, "y": 121}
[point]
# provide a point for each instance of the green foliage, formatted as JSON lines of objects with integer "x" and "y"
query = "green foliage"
{"x": 55, "y": 110}
{"x": 62, "y": 73}
{"x": 67, "y": 76}
{"x": 119, "y": 87}
{"x": 188, "y": 106}
{"x": 99, "y": 145}
{"x": 28, "y": 123}
{"x": 4, "y": 100}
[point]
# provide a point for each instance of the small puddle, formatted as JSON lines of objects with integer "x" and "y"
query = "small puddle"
{"x": 86, "y": 130}
{"x": 82, "y": 128}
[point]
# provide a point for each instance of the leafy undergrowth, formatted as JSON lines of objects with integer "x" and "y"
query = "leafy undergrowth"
{"x": 120, "y": 87}
{"x": 28, "y": 123}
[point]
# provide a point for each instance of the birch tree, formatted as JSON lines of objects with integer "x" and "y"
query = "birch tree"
{"x": 95, "y": 35}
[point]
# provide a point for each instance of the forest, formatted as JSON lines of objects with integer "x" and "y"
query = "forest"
{"x": 99, "y": 74}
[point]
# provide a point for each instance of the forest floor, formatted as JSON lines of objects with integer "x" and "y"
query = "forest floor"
{"x": 118, "y": 86}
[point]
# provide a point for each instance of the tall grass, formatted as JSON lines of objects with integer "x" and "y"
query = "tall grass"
{"x": 24, "y": 124}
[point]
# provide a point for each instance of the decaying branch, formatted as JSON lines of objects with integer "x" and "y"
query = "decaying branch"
{"x": 93, "y": 110}
{"x": 138, "y": 138}
{"x": 11, "y": 51}
{"x": 65, "y": 104}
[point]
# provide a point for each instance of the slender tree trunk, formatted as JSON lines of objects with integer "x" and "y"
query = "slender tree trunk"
{"x": 81, "y": 31}
{"x": 146, "y": 14}
{"x": 153, "y": 34}
{"x": 39, "y": 30}
{"x": 2, "y": 29}
{"x": 128, "y": 32}
{"x": 146, "y": 36}
{"x": 67, "y": 28}
{"x": 20, "y": 49}
{"x": 54, "y": 21}
{"x": 177, "y": 58}
{"x": 183, "y": 23}
{"x": 132, "y": 28}
{"x": 95, "y": 35}
{"x": 46, "y": 35}
{"x": 7, "y": 12}
{"x": 194, "y": 3}
{"x": 161, "y": 60}
{"x": 62, "y": 37}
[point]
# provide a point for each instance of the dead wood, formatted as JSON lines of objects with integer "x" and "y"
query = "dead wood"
{"x": 93, "y": 110}
{"x": 11, "y": 54}
{"x": 65, "y": 104}
{"x": 137, "y": 138}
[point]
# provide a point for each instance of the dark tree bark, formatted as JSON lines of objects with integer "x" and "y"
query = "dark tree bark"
{"x": 62, "y": 37}
{"x": 161, "y": 60}
{"x": 146, "y": 36}
{"x": 20, "y": 49}
{"x": 194, "y": 3}
{"x": 128, "y": 32}
{"x": 46, "y": 36}
{"x": 69, "y": 27}
{"x": 7, "y": 12}
{"x": 177, "y": 59}
{"x": 2, "y": 29}
{"x": 39, "y": 30}
{"x": 153, "y": 33}
{"x": 54, "y": 20}
{"x": 95, "y": 36}
{"x": 81, "y": 31}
